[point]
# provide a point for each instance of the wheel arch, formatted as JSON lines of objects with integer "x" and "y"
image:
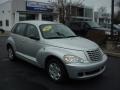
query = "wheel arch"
{"x": 8, "y": 45}
{"x": 10, "y": 42}
{"x": 48, "y": 58}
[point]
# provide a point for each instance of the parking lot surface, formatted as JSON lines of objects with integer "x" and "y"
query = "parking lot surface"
{"x": 20, "y": 75}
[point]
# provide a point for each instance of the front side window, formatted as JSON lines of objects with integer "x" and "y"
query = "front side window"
{"x": 32, "y": 31}
{"x": 19, "y": 29}
{"x": 54, "y": 31}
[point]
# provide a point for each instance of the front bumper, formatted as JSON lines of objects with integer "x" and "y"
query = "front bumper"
{"x": 84, "y": 71}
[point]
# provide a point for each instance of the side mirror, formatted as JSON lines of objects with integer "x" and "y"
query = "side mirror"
{"x": 2, "y": 30}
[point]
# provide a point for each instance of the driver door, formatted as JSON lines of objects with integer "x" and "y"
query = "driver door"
{"x": 32, "y": 43}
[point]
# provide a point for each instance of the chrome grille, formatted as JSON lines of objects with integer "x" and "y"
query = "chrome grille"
{"x": 95, "y": 55}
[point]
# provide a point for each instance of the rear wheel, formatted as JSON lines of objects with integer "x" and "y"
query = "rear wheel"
{"x": 56, "y": 70}
{"x": 11, "y": 53}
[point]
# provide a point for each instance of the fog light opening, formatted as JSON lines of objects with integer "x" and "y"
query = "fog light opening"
{"x": 80, "y": 74}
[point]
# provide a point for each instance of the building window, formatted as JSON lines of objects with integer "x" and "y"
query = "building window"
{"x": 23, "y": 16}
{"x": 3, "y": 11}
{"x": 7, "y": 22}
{"x": 0, "y": 23}
{"x": 47, "y": 17}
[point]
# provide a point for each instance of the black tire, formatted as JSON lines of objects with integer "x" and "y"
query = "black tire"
{"x": 63, "y": 73}
{"x": 11, "y": 53}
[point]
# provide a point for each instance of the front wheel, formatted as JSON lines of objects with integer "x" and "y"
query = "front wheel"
{"x": 56, "y": 70}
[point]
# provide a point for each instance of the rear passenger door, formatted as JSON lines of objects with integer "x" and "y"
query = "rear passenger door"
{"x": 18, "y": 36}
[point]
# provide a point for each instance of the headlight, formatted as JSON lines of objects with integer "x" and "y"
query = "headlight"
{"x": 107, "y": 32}
{"x": 74, "y": 59}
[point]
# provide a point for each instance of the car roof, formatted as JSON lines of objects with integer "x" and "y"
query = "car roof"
{"x": 79, "y": 21}
{"x": 38, "y": 22}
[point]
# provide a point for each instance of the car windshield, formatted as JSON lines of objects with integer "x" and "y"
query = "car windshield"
{"x": 55, "y": 31}
{"x": 93, "y": 24}
{"x": 116, "y": 26}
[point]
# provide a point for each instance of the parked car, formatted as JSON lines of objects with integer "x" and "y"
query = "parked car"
{"x": 54, "y": 47}
{"x": 116, "y": 31}
{"x": 82, "y": 27}
{"x": 90, "y": 30}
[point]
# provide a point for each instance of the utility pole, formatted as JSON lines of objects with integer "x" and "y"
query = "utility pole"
{"x": 112, "y": 18}
{"x": 70, "y": 11}
{"x": 70, "y": 6}
{"x": 110, "y": 43}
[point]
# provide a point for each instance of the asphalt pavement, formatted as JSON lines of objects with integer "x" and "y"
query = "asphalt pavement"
{"x": 20, "y": 75}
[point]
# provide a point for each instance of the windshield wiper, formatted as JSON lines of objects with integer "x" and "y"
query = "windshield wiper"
{"x": 60, "y": 34}
{"x": 55, "y": 37}
{"x": 61, "y": 37}
{"x": 71, "y": 36}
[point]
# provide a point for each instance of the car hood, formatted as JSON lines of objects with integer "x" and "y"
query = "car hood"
{"x": 74, "y": 43}
{"x": 102, "y": 29}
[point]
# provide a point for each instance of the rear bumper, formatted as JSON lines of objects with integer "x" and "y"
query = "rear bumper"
{"x": 84, "y": 71}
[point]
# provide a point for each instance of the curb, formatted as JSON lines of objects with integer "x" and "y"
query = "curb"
{"x": 113, "y": 54}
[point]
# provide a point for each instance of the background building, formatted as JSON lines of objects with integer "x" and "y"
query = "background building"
{"x": 14, "y": 11}
{"x": 5, "y": 15}
{"x": 83, "y": 13}
{"x": 103, "y": 19}
{"x": 79, "y": 13}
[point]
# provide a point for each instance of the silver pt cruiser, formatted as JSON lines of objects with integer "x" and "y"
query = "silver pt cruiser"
{"x": 57, "y": 49}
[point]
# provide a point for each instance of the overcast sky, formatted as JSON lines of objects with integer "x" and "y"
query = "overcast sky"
{"x": 98, "y": 3}
{"x": 92, "y": 3}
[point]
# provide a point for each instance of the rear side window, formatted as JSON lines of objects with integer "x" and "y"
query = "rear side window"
{"x": 19, "y": 29}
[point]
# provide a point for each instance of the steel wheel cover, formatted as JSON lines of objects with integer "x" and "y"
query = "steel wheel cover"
{"x": 54, "y": 71}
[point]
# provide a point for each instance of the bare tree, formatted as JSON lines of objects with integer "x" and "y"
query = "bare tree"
{"x": 102, "y": 10}
{"x": 64, "y": 7}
